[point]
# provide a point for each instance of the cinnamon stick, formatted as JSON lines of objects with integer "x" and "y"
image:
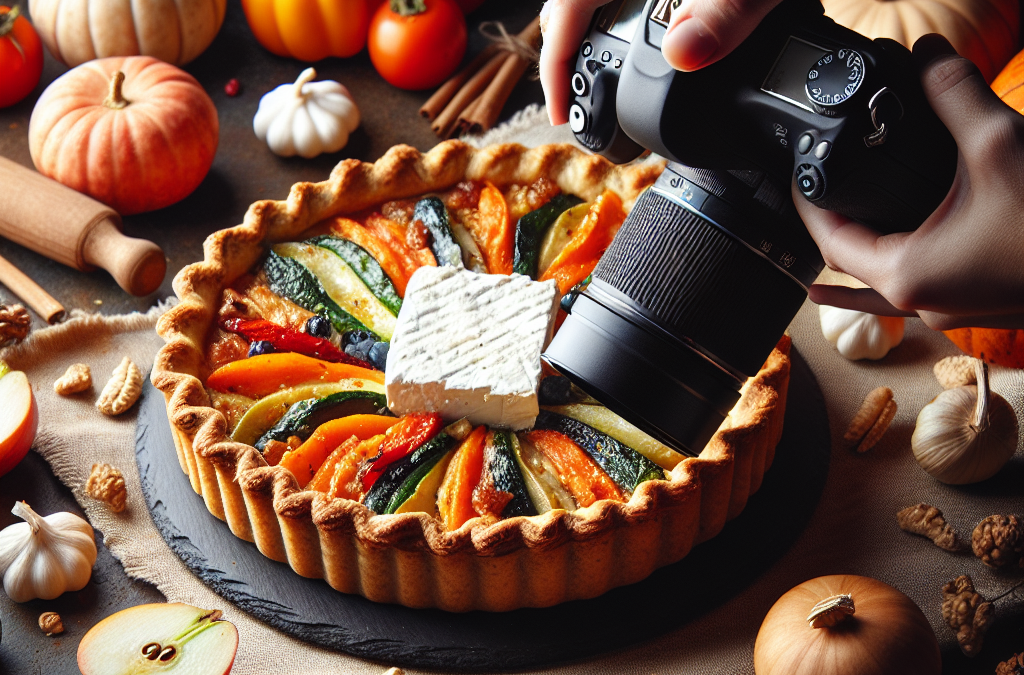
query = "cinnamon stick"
{"x": 445, "y": 122}
{"x": 33, "y": 295}
{"x": 485, "y": 112}
{"x": 440, "y": 98}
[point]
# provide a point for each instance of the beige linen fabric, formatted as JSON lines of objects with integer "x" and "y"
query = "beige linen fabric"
{"x": 852, "y": 531}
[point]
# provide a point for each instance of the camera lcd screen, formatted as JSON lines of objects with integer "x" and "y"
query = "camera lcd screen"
{"x": 624, "y": 22}
{"x": 788, "y": 77}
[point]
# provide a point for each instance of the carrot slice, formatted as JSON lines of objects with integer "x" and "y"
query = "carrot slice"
{"x": 389, "y": 261}
{"x": 261, "y": 375}
{"x": 492, "y": 230}
{"x": 305, "y": 460}
{"x": 344, "y": 480}
{"x": 395, "y": 236}
{"x": 577, "y": 471}
{"x": 579, "y": 257}
{"x": 455, "y": 498}
{"x": 321, "y": 480}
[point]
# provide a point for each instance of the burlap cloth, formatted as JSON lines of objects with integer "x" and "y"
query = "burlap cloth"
{"x": 852, "y": 531}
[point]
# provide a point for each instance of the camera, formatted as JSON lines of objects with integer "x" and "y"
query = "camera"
{"x": 713, "y": 262}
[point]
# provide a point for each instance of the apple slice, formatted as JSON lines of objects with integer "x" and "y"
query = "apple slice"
{"x": 19, "y": 417}
{"x": 163, "y": 637}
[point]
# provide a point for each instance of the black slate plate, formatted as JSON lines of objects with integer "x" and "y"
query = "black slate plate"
{"x": 528, "y": 638}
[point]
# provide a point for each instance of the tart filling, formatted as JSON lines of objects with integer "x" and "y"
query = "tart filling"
{"x": 273, "y": 374}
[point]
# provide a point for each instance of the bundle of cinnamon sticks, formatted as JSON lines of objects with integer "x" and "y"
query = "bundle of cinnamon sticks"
{"x": 473, "y": 98}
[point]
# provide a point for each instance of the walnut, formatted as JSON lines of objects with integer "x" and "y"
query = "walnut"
{"x": 123, "y": 389}
{"x": 77, "y": 378}
{"x": 999, "y": 541}
{"x": 928, "y": 521}
{"x": 967, "y": 613}
{"x": 1012, "y": 666}
{"x": 955, "y": 371}
{"x": 872, "y": 420}
{"x": 107, "y": 485}
{"x": 15, "y": 323}
{"x": 50, "y": 623}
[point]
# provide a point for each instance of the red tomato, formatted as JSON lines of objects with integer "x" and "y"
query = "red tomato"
{"x": 21, "y": 57}
{"x": 417, "y": 51}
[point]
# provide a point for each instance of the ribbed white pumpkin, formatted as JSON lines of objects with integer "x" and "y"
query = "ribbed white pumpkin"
{"x": 859, "y": 335}
{"x": 306, "y": 118}
{"x": 175, "y": 31}
{"x": 43, "y": 557}
{"x": 984, "y": 31}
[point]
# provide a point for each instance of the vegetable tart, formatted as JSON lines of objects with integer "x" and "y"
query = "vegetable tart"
{"x": 311, "y": 377}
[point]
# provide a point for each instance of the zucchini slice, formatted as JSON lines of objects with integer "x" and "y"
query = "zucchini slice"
{"x": 607, "y": 422}
{"x": 400, "y": 479}
{"x": 624, "y": 465}
{"x": 431, "y": 212}
{"x": 265, "y": 412}
{"x": 530, "y": 231}
{"x": 289, "y": 279}
{"x": 303, "y": 417}
{"x": 500, "y": 462}
{"x": 366, "y": 267}
{"x": 424, "y": 495}
{"x": 559, "y": 235}
{"x": 342, "y": 285}
{"x": 541, "y": 478}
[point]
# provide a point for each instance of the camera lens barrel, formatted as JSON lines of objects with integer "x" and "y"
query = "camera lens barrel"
{"x": 687, "y": 303}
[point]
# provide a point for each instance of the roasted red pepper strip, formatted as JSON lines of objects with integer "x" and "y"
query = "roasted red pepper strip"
{"x": 409, "y": 433}
{"x": 288, "y": 340}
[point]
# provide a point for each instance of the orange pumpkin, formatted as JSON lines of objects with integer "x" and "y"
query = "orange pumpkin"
{"x": 1009, "y": 84}
{"x": 135, "y": 133}
{"x": 984, "y": 31}
{"x": 309, "y": 30}
{"x": 1004, "y": 347}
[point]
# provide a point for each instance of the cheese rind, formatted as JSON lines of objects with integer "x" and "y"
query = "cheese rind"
{"x": 469, "y": 345}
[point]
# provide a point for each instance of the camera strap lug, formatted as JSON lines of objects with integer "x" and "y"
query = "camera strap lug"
{"x": 886, "y": 109}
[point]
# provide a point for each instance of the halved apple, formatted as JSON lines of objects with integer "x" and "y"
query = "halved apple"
{"x": 19, "y": 417}
{"x": 162, "y": 637}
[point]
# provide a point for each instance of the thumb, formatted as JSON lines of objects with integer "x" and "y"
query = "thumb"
{"x": 959, "y": 96}
{"x": 701, "y": 32}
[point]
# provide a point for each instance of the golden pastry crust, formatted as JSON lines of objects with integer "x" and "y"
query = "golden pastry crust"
{"x": 410, "y": 558}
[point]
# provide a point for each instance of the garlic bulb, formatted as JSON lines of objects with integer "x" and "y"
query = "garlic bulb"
{"x": 43, "y": 557}
{"x": 966, "y": 434}
{"x": 859, "y": 335}
{"x": 306, "y": 118}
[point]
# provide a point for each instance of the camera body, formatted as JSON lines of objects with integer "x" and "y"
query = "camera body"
{"x": 802, "y": 95}
{"x": 713, "y": 262}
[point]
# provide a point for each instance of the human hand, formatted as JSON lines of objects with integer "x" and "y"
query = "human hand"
{"x": 964, "y": 266}
{"x": 700, "y": 32}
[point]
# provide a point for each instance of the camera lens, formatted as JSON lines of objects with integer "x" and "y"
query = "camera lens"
{"x": 688, "y": 301}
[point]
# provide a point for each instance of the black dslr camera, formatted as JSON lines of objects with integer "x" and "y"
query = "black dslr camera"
{"x": 713, "y": 262}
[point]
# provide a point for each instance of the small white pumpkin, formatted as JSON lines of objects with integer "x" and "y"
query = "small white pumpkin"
{"x": 859, "y": 335}
{"x": 43, "y": 557}
{"x": 306, "y": 118}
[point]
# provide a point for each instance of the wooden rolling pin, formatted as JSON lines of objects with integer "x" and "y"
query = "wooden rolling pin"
{"x": 73, "y": 229}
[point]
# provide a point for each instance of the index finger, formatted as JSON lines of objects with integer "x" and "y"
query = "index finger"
{"x": 564, "y": 24}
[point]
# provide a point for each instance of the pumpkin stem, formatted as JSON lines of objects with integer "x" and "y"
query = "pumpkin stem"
{"x": 7, "y": 20}
{"x": 408, "y": 7}
{"x": 831, "y": 611}
{"x": 115, "y": 100}
{"x": 25, "y": 512}
{"x": 305, "y": 76}
{"x": 980, "y": 421}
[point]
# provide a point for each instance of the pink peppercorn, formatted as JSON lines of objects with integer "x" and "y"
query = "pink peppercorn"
{"x": 232, "y": 87}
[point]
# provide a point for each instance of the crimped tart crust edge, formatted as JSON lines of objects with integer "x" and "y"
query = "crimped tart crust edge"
{"x": 410, "y": 559}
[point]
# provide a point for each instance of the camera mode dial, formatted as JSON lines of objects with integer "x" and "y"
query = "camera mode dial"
{"x": 834, "y": 80}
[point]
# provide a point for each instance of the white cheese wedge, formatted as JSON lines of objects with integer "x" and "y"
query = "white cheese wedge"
{"x": 469, "y": 345}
